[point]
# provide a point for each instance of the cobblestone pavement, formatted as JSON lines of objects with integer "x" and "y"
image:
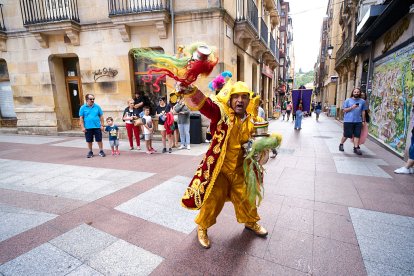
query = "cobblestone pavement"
{"x": 327, "y": 212}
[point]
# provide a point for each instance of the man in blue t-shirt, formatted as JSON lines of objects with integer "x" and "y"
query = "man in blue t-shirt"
{"x": 92, "y": 123}
{"x": 354, "y": 118}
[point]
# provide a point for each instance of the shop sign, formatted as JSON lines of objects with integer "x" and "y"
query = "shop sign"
{"x": 267, "y": 71}
{"x": 393, "y": 35}
{"x": 105, "y": 72}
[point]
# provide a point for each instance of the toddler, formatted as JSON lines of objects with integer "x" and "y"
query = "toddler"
{"x": 113, "y": 131}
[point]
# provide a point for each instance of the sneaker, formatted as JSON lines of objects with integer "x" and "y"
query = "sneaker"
{"x": 403, "y": 170}
{"x": 153, "y": 150}
{"x": 118, "y": 153}
{"x": 357, "y": 151}
{"x": 90, "y": 154}
{"x": 102, "y": 153}
{"x": 182, "y": 147}
{"x": 138, "y": 148}
{"x": 113, "y": 152}
{"x": 256, "y": 228}
{"x": 341, "y": 147}
{"x": 169, "y": 150}
{"x": 131, "y": 148}
{"x": 149, "y": 152}
{"x": 164, "y": 150}
{"x": 188, "y": 147}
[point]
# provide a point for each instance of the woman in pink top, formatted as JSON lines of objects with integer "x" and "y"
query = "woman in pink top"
{"x": 288, "y": 110}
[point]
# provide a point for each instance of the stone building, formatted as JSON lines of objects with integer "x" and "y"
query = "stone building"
{"x": 53, "y": 52}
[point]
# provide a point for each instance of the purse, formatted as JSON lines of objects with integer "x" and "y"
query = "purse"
{"x": 138, "y": 122}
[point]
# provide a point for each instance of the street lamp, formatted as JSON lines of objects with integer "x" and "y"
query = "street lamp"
{"x": 330, "y": 49}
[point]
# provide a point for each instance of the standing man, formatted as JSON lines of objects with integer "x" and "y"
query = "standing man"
{"x": 354, "y": 118}
{"x": 140, "y": 101}
{"x": 220, "y": 175}
{"x": 92, "y": 123}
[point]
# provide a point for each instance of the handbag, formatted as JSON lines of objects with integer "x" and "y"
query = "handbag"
{"x": 138, "y": 122}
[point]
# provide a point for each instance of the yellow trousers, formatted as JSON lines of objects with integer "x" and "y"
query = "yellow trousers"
{"x": 228, "y": 186}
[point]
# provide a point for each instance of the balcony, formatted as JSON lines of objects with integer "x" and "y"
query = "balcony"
{"x": 247, "y": 23}
{"x": 127, "y": 13}
{"x": 343, "y": 51}
{"x": 264, "y": 32}
{"x": 3, "y": 35}
{"x": 46, "y": 17}
{"x": 273, "y": 7}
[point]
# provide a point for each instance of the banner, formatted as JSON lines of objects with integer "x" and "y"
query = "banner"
{"x": 302, "y": 94}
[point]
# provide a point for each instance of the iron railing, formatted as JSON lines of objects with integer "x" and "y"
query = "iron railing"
{"x": 246, "y": 10}
{"x": 44, "y": 11}
{"x": 2, "y": 26}
{"x": 119, "y": 7}
{"x": 345, "y": 47}
{"x": 272, "y": 45}
{"x": 264, "y": 31}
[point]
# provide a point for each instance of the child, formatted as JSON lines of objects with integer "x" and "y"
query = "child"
{"x": 113, "y": 135}
{"x": 148, "y": 129}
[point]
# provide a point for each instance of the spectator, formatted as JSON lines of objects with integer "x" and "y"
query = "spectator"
{"x": 161, "y": 112}
{"x": 261, "y": 112}
{"x": 140, "y": 101}
{"x": 354, "y": 118}
{"x": 130, "y": 114}
{"x": 175, "y": 131}
{"x": 288, "y": 110}
{"x": 148, "y": 130}
{"x": 183, "y": 123}
{"x": 284, "y": 105}
{"x": 409, "y": 166}
{"x": 113, "y": 131}
{"x": 92, "y": 123}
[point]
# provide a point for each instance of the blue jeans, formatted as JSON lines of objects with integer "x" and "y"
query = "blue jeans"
{"x": 298, "y": 121}
{"x": 184, "y": 134}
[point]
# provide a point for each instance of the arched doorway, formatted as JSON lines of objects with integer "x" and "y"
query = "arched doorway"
{"x": 140, "y": 69}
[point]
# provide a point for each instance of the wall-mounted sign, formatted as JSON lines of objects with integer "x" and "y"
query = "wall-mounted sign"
{"x": 393, "y": 35}
{"x": 105, "y": 72}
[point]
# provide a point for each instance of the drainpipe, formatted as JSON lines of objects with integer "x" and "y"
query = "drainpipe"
{"x": 172, "y": 25}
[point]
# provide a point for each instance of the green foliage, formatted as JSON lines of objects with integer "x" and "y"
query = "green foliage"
{"x": 302, "y": 78}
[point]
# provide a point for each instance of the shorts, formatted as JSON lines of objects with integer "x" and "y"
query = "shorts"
{"x": 352, "y": 130}
{"x": 114, "y": 143}
{"x": 91, "y": 132}
{"x": 147, "y": 137}
{"x": 411, "y": 149}
{"x": 161, "y": 127}
{"x": 288, "y": 112}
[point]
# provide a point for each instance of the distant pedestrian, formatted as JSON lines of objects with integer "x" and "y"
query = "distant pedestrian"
{"x": 183, "y": 123}
{"x": 284, "y": 104}
{"x": 288, "y": 110}
{"x": 354, "y": 119}
{"x": 113, "y": 132}
{"x": 318, "y": 110}
{"x": 92, "y": 124}
{"x": 148, "y": 130}
{"x": 299, "y": 115}
{"x": 364, "y": 130}
{"x": 409, "y": 166}
{"x": 130, "y": 115}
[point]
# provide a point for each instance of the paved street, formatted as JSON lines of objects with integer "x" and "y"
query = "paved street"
{"x": 327, "y": 212}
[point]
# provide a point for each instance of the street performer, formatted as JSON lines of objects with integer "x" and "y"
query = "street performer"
{"x": 220, "y": 176}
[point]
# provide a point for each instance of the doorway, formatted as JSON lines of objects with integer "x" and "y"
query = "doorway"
{"x": 73, "y": 88}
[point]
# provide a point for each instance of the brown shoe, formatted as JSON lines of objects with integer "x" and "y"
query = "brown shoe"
{"x": 256, "y": 228}
{"x": 203, "y": 237}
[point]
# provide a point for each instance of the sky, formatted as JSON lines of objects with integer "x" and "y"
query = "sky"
{"x": 307, "y": 17}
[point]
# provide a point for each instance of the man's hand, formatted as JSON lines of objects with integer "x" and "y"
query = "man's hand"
{"x": 83, "y": 130}
{"x": 102, "y": 127}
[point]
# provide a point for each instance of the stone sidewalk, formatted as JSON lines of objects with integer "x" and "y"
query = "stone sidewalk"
{"x": 327, "y": 212}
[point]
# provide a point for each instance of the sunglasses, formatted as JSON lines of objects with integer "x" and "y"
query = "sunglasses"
{"x": 91, "y": 99}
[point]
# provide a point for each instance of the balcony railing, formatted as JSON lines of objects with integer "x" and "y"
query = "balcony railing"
{"x": 264, "y": 31}
{"x": 272, "y": 45}
{"x": 345, "y": 47}
{"x": 45, "y": 11}
{"x": 247, "y": 10}
{"x": 2, "y": 26}
{"x": 119, "y": 7}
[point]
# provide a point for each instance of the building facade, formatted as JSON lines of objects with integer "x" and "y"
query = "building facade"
{"x": 54, "y": 52}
